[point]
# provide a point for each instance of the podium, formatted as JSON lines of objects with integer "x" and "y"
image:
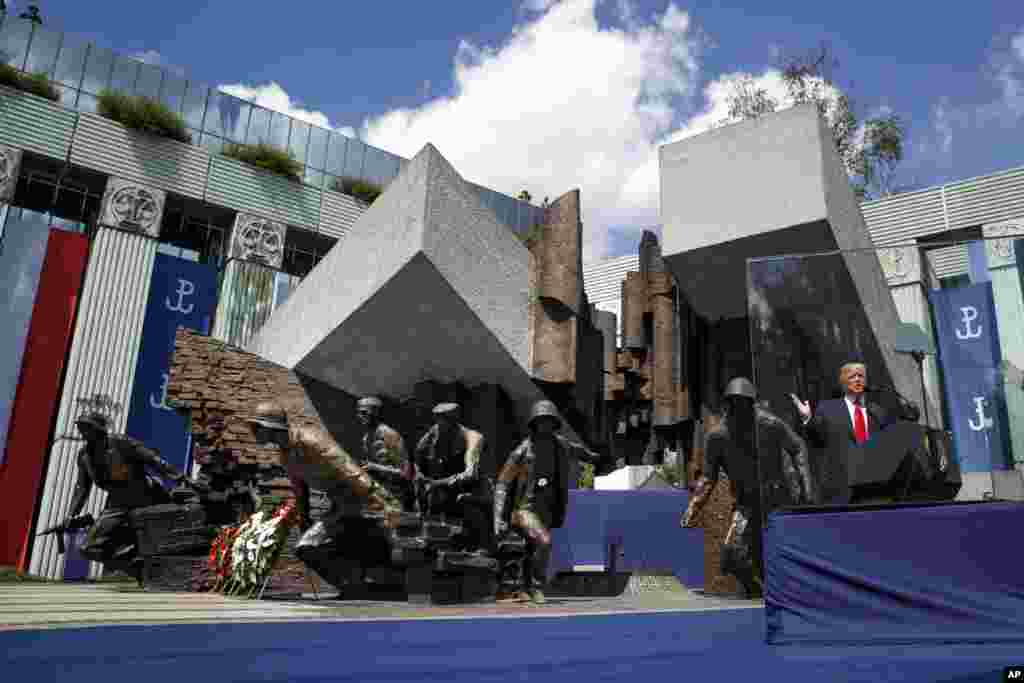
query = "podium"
{"x": 903, "y": 462}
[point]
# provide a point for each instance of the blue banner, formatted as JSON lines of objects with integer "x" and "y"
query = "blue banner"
{"x": 971, "y": 361}
{"x": 182, "y": 294}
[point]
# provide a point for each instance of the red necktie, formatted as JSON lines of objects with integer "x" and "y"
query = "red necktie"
{"x": 860, "y": 426}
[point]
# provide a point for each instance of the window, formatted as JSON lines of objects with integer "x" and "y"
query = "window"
{"x": 172, "y": 94}
{"x": 126, "y": 73}
{"x": 194, "y": 106}
{"x": 42, "y": 53}
{"x": 71, "y": 64}
{"x": 148, "y": 83}
{"x": 303, "y": 250}
{"x": 336, "y": 154}
{"x": 280, "y": 125}
{"x": 316, "y": 154}
{"x": 190, "y": 231}
{"x": 97, "y": 70}
{"x": 354, "y": 159}
{"x": 259, "y": 125}
{"x": 14, "y": 39}
{"x": 298, "y": 140}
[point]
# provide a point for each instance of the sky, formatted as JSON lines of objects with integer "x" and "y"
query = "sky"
{"x": 554, "y": 95}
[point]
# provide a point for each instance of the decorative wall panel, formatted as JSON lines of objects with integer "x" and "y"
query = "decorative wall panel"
{"x": 128, "y": 205}
{"x": 257, "y": 240}
{"x": 100, "y": 367}
{"x": 10, "y": 165}
{"x": 244, "y": 188}
{"x": 338, "y": 213}
{"x": 35, "y": 124}
{"x": 35, "y": 402}
{"x": 21, "y": 261}
{"x": 109, "y": 147}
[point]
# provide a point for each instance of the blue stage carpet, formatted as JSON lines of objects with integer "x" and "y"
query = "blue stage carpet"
{"x": 689, "y": 646}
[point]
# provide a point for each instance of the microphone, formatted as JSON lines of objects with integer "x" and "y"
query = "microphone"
{"x": 879, "y": 389}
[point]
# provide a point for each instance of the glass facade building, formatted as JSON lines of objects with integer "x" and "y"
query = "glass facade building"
{"x": 81, "y": 71}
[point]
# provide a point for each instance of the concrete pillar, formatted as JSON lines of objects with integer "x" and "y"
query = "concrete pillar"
{"x": 662, "y": 302}
{"x": 558, "y": 281}
{"x": 904, "y": 274}
{"x": 104, "y": 350}
{"x": 249, "y": 284}
{"x": 634, "y": 306}
{"x": 1009, "y": 302}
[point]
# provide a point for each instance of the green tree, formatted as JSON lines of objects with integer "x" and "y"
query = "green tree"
{"x": 870, "y": 149}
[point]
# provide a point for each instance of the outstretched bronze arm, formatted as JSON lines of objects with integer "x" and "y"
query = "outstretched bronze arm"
{"x": 701, "y": 496}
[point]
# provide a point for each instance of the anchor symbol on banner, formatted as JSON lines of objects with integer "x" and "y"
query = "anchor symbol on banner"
{"x": 185, "y": 288}
{"x": 984, "y": 422}
{"x": 162, "y": 403}
{"x": 970, "y": 314}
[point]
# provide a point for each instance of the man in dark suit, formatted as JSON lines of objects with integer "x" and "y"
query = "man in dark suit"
{"x": 838, "y": 425}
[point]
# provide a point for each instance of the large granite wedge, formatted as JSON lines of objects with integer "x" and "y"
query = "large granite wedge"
{"x": 767, "y": 187}
{"x": 428, "y": 285}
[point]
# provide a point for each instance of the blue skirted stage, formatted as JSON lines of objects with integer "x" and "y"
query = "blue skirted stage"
{"x": 717, "y": 645}
{"x": 642, "y": 526}
{"x": 908, "y": 574}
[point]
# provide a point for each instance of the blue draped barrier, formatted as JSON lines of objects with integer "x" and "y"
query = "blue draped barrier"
{"x": 927, "y": 574}
{"x": 644, "y": 525}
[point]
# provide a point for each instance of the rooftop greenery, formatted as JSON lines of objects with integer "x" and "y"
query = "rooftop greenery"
{"x": 144, "y": 115}
{"x": 36, "y": 84}
{"x": 268, "y": 158}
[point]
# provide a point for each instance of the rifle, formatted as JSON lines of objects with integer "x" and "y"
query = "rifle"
{"x": 74, "y": 524}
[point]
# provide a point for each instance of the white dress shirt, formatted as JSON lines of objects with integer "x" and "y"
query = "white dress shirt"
{"x": 851, "y": 406}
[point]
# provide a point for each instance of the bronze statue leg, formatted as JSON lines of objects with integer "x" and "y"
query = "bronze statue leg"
{"x": 538, "y": 541}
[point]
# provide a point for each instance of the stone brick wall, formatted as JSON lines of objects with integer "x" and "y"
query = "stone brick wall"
{"x": 210, "y": 379}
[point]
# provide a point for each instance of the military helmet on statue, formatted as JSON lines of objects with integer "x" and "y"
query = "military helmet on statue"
{"x": 740, "y": 387}
{"x": 95, "y": 420}
{"x": 544, "y": 409}
{"x": 370, "y": 402}
{"x": 271, "y": 415}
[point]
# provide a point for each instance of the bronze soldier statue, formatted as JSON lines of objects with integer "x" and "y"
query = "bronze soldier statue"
{"x": 748, "y": 437}
{"x": 538, "y": 473}
{"x": 784, "y": 462}
{"x": 448, "y": 470}
{"x": 117, "y": 465}
{"x": 384, "y": 455}
{"x": 314, "y": 461}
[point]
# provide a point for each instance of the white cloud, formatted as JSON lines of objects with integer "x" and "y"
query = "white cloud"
{"x": 156, "y": 59}
{"x": 538, "y": 5}
{"x": 273, "y": 97}
{"x": 1010, "y": 77}
{"x": 969, "y": 121}
{"x": 564, "y": 103}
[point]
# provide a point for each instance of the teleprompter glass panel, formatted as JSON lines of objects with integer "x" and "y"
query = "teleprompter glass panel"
{"x": 42, "y": 53}
{"x": 834, "y": 363}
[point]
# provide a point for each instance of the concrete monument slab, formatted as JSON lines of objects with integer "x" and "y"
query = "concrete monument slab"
{"x": 427, "y": 285}
{"x": 767, "y": 187}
